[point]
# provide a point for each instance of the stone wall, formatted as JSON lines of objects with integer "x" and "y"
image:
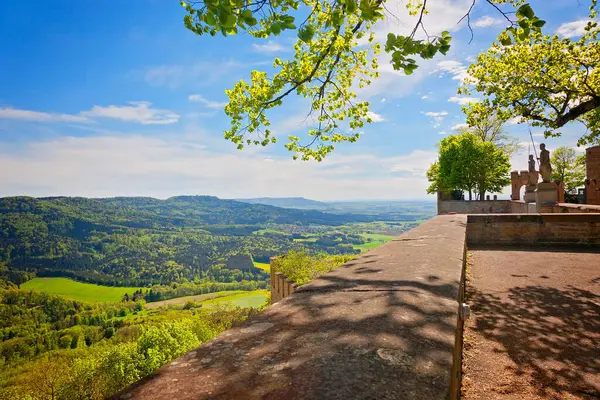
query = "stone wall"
{"x": 570, "y": 208}
{"x": 534, "y": 230}
{"x": 592, "y": 184}
{"x": 519, "y": 207}
{"x": 281, "y": 287}
{"x": 474, "y": 207}
{"x": 510, "y": 207}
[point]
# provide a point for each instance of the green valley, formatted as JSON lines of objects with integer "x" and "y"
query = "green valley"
{"x": 87, "y": 283}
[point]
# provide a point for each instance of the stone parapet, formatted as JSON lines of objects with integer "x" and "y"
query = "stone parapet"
{"x": 559, "y": 229}
{"x": 383, "y": 326}
{"x": 474, "y": 206}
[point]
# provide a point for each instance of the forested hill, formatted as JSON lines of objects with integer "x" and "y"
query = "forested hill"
{"x": 200, "y": 210}
{"x": 142, "y": 241}
{"x": 289, "y": 202}
{"x": 175, "y": 212}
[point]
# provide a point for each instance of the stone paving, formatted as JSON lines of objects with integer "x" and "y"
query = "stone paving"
{"x": 534, "y": 331}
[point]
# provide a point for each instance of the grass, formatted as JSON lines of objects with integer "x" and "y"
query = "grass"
{"x": 196, "y": 298}
{"x": 268, "y": 230}
{"x": 74, "y": 290}
{"x": 255, "y": 298}
{"x": 263, "y": 266}
{"x": 376, "y": 240}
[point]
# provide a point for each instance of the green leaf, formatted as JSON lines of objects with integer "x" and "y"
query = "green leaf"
{"x": 230, "y": 21}
{"x": 276, "y": 29}
{"x": 306, "y": 33}
{"x": 246, "y": 14}
{"x": 506, "y": 41}
{"x": 539, "y": 23}
{"x": 525, "y": 11}
{"x": 350, "y": 6}
{"x": 210, "y": 19}
{"x": 524, "y": 24}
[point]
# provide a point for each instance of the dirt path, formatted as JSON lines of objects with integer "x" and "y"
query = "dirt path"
{"x": 534, "y": 331}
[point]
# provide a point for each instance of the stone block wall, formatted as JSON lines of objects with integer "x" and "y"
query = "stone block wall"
{"x": 474, "y": 207}
{"x": 570, "y": 208}
{"x": 592, "y": 184}
{"x": 534, "y": 230}
{"x": 281, "y": 286}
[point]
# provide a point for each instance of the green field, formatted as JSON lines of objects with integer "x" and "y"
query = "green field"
{"x": 263, "y": 266}
{"x": 268, "y": 230}
{"x": 376, "y": 240}
{"x": 197, "y": 298}
{"x": 255, "y": 298}
{"x": 77, "y": 290}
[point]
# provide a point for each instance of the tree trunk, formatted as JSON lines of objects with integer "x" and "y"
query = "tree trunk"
{"x": 482, "y": 195}
{"x": 470, "y": 195}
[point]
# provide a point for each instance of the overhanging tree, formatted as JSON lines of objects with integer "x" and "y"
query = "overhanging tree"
{"x": 335, "y": 55}
{"x": 547, "y": 81}
{"x": 468, "y": 163}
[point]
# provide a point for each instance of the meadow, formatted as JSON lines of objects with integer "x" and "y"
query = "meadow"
{"x": 255, "y": 298}
{"x": 74, "y": 290}
{"x": 376, "y": 240}
{"x": 197, "y": 298}
{"x": 263, "y": 266}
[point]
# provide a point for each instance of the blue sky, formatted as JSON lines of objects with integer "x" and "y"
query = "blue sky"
{"x": 117, "y": 98}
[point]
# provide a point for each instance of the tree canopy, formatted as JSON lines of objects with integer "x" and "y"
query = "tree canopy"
{"x": 547, "y": 81}
{"x": 488, "y": 125}
{"x": 466, "y": 162}
{"x": 568, "y": 168}
{"x": 335, "y": 55}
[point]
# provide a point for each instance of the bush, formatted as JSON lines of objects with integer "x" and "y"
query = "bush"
{"x": 302, "y": 268}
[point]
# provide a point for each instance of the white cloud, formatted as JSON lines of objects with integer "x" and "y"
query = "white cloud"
{"x": 200, "y": 73}
{"x": 383, "y": 100}
{"x": 29, "y": 115}
{"x": 457, "y": 69}
{"x": 443, "y": 132}
{"x": 463, "y": 100}
{"x": 208, "y": 103}
{"x": 459, "y": 126}
{"x": 269, "y": 47}
{"x": 486, "y": 21}
{"x": 436, "y": 114}
{"x": 375, "y": 117}
{"x": 137, "y": 111}
{"x": 424, "y": 97}
{"x": 132, "y": 165}
{"x": 572, "y": 29}
{"x": 414, "y": 164}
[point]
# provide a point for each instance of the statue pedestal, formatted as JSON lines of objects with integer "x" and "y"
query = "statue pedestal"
{"x": 545, "y": 194}
{"x": 530, "y": 193}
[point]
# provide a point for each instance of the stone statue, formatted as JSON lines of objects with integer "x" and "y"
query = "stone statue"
{"x": 545, "y": 167}
{"x": 531, "y": 163}
{"x": 533, "y": 175}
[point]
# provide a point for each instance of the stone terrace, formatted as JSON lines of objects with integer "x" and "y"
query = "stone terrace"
{"x": 383, "y": 326}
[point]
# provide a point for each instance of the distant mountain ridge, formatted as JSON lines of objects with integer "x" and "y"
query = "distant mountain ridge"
{"x": 286, "y": 202}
